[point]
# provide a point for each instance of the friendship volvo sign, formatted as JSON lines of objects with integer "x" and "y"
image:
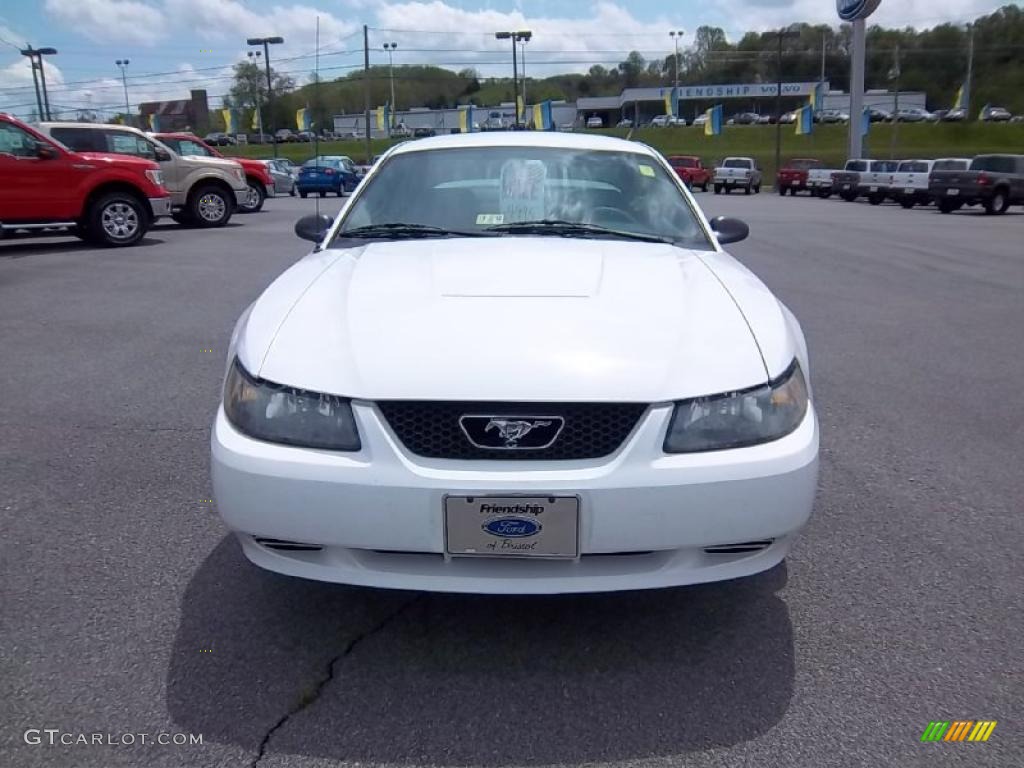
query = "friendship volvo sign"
{"x": 744, "y": 91}
{"x": 854, "y": 10}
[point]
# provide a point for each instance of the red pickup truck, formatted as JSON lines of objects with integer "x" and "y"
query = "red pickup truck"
{"x": 103, "y": 198}
{"x": 792, "y": 177}
{"x": 257, "y": 177}
{"x": 691, "y": 170}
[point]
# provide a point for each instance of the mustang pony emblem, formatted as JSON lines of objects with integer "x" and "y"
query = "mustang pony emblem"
{"x": 512, "y": 431}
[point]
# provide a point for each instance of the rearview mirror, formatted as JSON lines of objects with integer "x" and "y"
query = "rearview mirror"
{"x": 313, "y": 227}
{"x": 45, "y": 151}
{"x": 162, "y": 155}
{"x": 729, "y": 230}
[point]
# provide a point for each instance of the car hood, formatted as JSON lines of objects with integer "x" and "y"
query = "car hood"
{"x": 515, "y": 318}
{"x": 210, "y": 162}
{"x": 128, "y": 162}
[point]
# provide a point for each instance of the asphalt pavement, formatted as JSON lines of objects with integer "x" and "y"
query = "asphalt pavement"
{"x": 125, "y": 608}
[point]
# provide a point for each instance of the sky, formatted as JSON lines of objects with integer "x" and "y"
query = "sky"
{"x": 175, "y": 45}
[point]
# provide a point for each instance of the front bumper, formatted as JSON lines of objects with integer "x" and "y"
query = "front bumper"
{"x": 241, "y": 196}
{"x": 160, "y": 206}
{"x": 646, "y": 518}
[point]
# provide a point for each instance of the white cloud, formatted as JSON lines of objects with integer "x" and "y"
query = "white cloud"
{"x": 604, "y": 34}
{"x": 105, "y": 21}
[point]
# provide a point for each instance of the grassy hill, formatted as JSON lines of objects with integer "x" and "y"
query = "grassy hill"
{"x": 828, "y": 143}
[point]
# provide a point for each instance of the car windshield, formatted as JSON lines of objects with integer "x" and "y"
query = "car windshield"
{"x": 527, "y": 190}
{"x": 950, "y": 165}
{"x": 737, "y": 164}
{"x": 187, "y": 147}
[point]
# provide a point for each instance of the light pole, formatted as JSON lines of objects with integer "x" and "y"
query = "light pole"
{"x": 515, "y": 37}
{"x": 390, "y": 48}
{"x": 36, "y": 57}
{"x": 676, "y": 36}
{"x": 783, "y": 34}
{"x": 123, "y": 64}
{"x": 266, "y": 42}
{"x": 254, "y": 57}
{"x": 524, "y": 41}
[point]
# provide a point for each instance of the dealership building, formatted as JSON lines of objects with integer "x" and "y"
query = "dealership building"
{"x": 639, "y": 105}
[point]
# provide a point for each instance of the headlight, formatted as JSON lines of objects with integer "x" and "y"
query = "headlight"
{"x": 157, "y": 177}
{"x": 738, "y": 419}
{"x": 278, "y": 414}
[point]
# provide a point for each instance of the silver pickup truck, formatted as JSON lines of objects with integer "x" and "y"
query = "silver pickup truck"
{"x": 737, "y": 173}
{"x": 865, "y": 178}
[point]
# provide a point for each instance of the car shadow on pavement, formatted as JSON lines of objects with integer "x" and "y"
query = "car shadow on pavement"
{"x": 417, "y": 678}
{"x": 19, "y": 248}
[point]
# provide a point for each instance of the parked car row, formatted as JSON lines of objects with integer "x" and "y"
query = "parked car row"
{"x": 995, "y": 182}
{"x": 107, "y": 184}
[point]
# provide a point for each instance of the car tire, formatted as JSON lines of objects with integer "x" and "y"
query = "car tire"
{"x": 256, "y": 194}
{"x": 746, "y": 190}
{"x": 946, "y": 206}
{"x": 998, "y": 203}
{"x": 704, "y": 187}
{"x": 718, "y": 189}
{"x": 303, "y": 195}
{"x": 293, "y": 193}
{"x": 848, "y": 196}
{"x": 876, "y": 199}
{"x": 783, "y": 190}
{"x": 116, "y": 220}
{"x": 757, "y": 190}
{"x": 323, "y": 194}
{"x": 210, "y": 206}
{"x": 907, "y": 202}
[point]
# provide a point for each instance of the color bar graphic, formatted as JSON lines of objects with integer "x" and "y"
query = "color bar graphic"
{"x": 958, "y": 730}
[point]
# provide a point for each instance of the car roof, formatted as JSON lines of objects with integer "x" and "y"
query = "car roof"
{"x": 546, "y": 139}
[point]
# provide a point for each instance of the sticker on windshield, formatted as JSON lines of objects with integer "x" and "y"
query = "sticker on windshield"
{"x": 523, "y": 186}
{"x": 646, "y": 170}
{"x": 489, "y": 219}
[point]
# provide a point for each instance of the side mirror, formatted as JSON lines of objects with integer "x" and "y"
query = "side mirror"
{"x": 162, "y": 155}
{"x": 46, "y": 152}
{"x": 313, "y": 227}
{"x": 729, "y": 230}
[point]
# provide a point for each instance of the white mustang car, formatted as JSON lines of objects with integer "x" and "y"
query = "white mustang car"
{"x": 517, "y": 363}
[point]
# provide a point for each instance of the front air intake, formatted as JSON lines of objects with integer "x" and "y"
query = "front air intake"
{"x": 739, "y": 549}
{"x": 287, "y": 546}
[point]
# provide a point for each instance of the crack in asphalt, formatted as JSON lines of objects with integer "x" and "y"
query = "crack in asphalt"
{"x": 307, "y": 701}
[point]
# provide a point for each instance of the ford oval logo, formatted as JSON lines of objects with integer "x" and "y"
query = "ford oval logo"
{"x": 511, "y": 527}
{"x": 851, "y": 10}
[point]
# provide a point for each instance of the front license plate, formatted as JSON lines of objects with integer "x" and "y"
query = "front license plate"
{"x": 846, "y": 186}
{"x": 952, "y": 192}
{"x": 512, "y": 526}
{"x": 908, "y": 191}
{"x": 870, "y": 189}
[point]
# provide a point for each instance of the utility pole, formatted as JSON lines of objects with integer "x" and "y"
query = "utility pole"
{"x": 35, "y": 81}
{"x": 390, "y": 48}
{"x": 894, "y": 75}
{"x": 970, "y": 70}
{"x": 36, "y": 56}
{"x": 857, "y": 89}
{"x": 515, "y": 37}
{"x": 524, "y": 41}
{"x": 778, "y": 108}
{"x": 266, "y": 42}
{"x": 366, "y": 90}
{"x": 123, "y": 64}
{"x": 824, "y": 53}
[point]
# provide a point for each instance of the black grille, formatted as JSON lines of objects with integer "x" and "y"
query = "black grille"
{"x": 431, "y": 429}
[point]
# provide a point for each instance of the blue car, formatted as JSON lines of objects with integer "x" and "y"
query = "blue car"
{"x": 326, "y": 174}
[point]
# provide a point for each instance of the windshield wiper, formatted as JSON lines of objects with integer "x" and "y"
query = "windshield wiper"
{"x": 399, "y": 230}
{"x": 561, "y": 228}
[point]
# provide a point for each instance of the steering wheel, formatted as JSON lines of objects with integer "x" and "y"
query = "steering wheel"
{"x": 606, "y": 215}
